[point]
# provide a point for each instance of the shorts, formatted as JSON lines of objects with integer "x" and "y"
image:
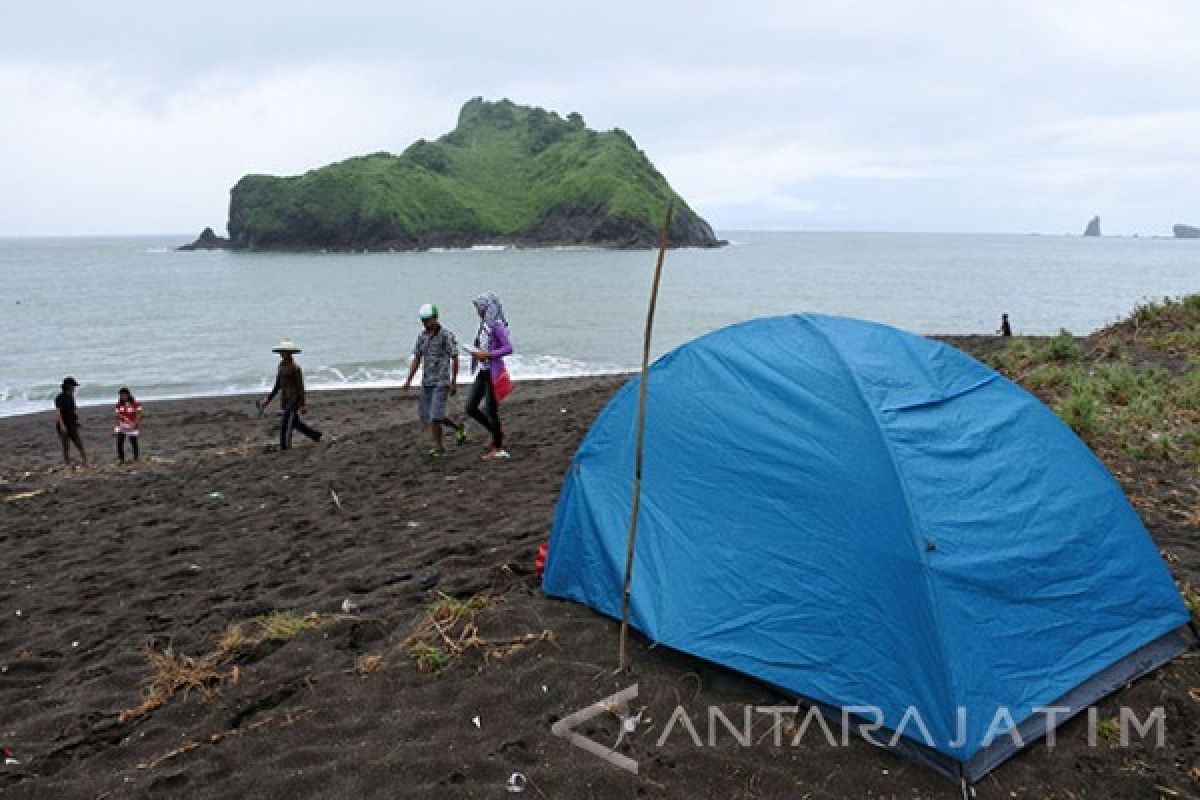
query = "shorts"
{"x": 432, "y": 403}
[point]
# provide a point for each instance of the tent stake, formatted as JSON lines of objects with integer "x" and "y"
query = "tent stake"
{"x": 641, "y": 429}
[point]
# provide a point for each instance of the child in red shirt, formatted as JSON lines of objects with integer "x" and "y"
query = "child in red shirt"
{"x": 129, "y": 417}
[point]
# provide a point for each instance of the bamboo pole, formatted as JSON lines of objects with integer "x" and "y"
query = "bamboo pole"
{"x": 641, "y": 430}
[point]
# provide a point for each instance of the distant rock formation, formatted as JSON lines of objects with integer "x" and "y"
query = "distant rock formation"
{"x": 1186, "y": 232}
{"x": 207, "y": 240}
{"x": 1093, "y": 227}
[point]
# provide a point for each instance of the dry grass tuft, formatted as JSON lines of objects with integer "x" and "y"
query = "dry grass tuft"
{"x": 368, "y": 663}
{"x": 175, "y": 671}
{"x": 449, "y": 628}
{"x": 284, "y": 625}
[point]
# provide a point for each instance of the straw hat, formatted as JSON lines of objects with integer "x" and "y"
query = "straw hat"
{"x": 285, "y": 347}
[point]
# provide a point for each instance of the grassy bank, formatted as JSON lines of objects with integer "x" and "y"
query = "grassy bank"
{"x": 1132, "y": 389}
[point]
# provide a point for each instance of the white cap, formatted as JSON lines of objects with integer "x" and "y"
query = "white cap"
{"x": 427, "y": 311}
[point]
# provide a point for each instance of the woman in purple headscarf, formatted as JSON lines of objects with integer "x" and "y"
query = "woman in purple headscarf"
{"x": 492, "y": 344}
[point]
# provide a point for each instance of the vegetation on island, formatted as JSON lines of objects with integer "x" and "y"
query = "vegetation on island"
{"x": 506, "y": 174}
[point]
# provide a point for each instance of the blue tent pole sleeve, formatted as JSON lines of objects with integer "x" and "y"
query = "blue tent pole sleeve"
{"x": 641, "y": 430}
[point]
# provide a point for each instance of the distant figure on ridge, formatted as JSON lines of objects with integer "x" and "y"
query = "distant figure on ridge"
{"x": 492, "y": 383}
{"x": 129, "y": 418}
{"x": 66, "y": 421}
{"x": 289, "y": 382}
{"x": 1005, "y": 328}
{"x": 436, "y": 350}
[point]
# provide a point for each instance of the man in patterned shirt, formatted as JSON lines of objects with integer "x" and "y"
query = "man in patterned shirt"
{"x": 436, "y": 350}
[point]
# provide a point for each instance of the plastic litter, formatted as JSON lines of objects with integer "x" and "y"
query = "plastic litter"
{"x": 477, "y": 721}
{"x": 349, "y": 606}
{"x": 516, "y": 783}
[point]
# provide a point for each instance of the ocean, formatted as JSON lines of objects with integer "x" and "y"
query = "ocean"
{"x": 131, "y": 311}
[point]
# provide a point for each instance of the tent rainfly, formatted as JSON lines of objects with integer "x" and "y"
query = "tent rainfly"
{"x": 862, "y": 517}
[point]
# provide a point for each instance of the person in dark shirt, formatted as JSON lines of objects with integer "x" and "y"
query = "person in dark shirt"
{"x": 289, "y": 384}
{"x": 66, "y": 421}
{"x": 1005, "y": 328}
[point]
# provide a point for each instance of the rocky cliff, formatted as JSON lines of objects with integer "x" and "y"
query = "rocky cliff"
{"x": 207, "y": 240}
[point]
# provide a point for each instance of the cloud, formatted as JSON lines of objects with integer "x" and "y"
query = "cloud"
{"x": 95, "y": 153}
{"x": 770, "y": 175}
{"x": 138, "y": 116}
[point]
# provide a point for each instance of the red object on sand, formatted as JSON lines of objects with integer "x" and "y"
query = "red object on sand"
{"x": 502, "y": 386}
{"x": 539, "y": 563}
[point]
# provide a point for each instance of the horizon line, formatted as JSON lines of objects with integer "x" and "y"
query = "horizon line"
{"x": 187, "y": 237}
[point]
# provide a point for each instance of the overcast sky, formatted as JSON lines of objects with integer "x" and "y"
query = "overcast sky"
{"x": 1022, "y": 115}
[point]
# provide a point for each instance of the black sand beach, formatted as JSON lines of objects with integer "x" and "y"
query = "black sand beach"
{"x": 114, "y": 575}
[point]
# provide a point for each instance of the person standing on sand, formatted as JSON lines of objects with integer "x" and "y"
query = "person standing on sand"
{"x": 491, "y": 384}
{"x": 289, "y": 383}
{"x": 1005, "y": 328}
{"x": 66, "y": 421}
{"x": 129, "y": 418}
{"x": 437, "y": 350}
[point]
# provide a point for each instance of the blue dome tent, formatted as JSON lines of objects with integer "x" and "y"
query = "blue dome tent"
{"x": 864, "y": 517}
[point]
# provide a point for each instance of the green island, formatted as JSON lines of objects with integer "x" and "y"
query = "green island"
{"x": 506, "y": 175}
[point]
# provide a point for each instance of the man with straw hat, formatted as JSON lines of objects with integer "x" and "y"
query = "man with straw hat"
{"x": 289, "y": 383}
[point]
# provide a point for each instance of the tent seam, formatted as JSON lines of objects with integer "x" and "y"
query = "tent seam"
{"x": 913, "y": 518}
{"x": 945, "y": 398}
